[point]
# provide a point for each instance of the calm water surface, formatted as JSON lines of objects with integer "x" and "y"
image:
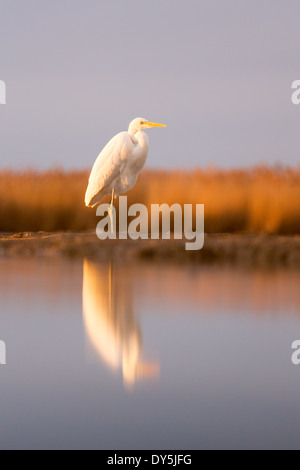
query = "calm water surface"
{"x": 148, "y": 356}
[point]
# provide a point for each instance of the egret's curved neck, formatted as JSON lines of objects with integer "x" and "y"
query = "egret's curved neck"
{"x": 142, "y": 139}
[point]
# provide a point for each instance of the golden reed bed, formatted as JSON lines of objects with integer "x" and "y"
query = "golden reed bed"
{"x": 261, "y": 200}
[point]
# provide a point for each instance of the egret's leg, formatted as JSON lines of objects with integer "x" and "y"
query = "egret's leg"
{"x": 112, "y": 197}
{"x": 110, "y": 212}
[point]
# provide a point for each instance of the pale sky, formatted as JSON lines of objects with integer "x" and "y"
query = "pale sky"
{"x": 217, "y": 72}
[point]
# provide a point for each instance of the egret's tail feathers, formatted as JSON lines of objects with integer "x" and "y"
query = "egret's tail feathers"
{"x": 92, "y": 201}
{"x": 90, "y": 204}
{"x": 87, "y": 201}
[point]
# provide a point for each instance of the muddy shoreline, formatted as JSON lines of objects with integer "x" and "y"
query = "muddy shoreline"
{"x": 244, "y": 249}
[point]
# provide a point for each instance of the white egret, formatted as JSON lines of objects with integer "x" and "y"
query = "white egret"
{"x": 117, "y": 167}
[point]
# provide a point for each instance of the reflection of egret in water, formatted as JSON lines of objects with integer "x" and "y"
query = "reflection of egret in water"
{"x": 110, "y": 322}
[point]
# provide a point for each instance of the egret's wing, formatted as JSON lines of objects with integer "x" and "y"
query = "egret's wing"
{"x": 109, "y": 164}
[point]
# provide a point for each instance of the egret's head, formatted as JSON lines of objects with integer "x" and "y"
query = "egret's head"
{"x": 140, "y": 123}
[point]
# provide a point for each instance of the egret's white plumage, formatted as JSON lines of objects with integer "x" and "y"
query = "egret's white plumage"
{"x": 119, "y": 163}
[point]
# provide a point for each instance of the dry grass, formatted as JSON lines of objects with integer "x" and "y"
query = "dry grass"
{"x": 262, "y": 200}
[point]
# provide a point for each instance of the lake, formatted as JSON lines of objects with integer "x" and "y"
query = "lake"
{"x": 147, "y": 356}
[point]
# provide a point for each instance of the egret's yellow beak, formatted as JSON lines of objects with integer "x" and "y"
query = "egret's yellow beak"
{"x": 155, "y": 124}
